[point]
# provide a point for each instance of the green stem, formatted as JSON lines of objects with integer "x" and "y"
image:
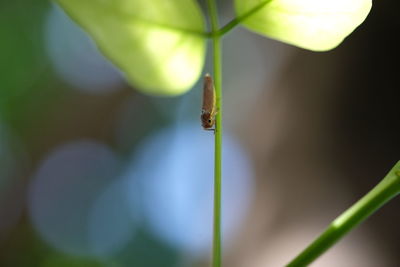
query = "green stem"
{"x": 233, "y": 23}
{"x": 388, "y": 188}
{"x": 216, "y": 40}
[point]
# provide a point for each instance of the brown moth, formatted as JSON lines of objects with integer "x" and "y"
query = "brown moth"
{"x": 208, "y": 110}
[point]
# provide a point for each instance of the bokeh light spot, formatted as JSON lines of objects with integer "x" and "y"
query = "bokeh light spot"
{"x": 175, "y": 171}
{"x": 75, "y": 202}
{"x": 75, "y": 57}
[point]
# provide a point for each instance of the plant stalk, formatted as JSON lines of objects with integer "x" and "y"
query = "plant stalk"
{"x": 217, "y": 62}
{"x": 388, "y": 188}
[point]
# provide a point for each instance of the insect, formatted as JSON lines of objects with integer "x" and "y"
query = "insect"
{"x": 208, "y": 110}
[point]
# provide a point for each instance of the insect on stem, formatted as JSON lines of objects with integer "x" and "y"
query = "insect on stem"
{"x": 208, "y": 110}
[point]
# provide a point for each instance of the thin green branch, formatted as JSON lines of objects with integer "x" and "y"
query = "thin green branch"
{"x": 233, "y": 23}
{"x": 217, "y": 247}
{"x": 213, "y": 11}
{"x": 218, "y": 154}
{"x": 388, "y": 188}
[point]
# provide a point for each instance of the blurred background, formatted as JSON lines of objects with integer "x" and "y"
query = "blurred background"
{"x": 93, "y": 173}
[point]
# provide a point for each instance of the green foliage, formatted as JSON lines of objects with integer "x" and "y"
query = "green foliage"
{"x": 158, "y": 44}
{"x": 318, "y": 25}
{"x": 19, "y": 32}
{"x": 65, "y": 261}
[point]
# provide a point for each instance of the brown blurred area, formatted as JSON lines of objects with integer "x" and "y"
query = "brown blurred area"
{"x": 326, "y": 133}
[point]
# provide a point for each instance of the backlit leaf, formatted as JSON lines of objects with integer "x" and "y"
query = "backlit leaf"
{"x": 311, "y": 24}
{"x": 158, "y": 44}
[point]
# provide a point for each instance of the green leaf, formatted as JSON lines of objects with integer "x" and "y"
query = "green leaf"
{"x": 158, "y": 44}
{"x": 317, "y": 25}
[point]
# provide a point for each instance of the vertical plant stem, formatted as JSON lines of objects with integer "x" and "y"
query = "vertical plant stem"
{"x": 218, "y": 158}
{"x": 387, "y": 189}
{"x": 216, "y": 41}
